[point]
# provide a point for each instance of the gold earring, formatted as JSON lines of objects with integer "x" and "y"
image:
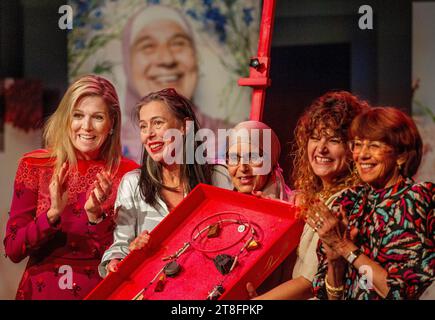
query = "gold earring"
{"x": 399, "y": 166}
{"x": 355, "y": 170}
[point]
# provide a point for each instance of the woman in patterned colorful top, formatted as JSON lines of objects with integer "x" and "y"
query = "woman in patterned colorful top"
{"x": 62, "y": 206}
{"x": 377, "y": 242}
{"x": 322, "y": 168}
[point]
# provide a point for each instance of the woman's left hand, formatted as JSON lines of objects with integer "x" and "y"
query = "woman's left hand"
{"x": 324, "y": 223}
{"x": 100, "y": 193}
{"x": 330, "y": 229}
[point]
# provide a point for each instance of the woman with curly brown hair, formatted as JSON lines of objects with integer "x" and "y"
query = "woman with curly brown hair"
{"x": 322, "y": 168}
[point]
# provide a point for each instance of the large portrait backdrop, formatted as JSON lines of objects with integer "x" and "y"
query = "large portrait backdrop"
{"x": 423, "y": 67}
{"x": 199, "y": 47}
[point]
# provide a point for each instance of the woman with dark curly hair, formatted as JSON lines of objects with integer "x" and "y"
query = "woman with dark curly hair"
{"x": 322, "y": 168}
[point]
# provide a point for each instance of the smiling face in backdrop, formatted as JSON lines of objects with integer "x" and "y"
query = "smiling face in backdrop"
{"x": 163, "y": 56}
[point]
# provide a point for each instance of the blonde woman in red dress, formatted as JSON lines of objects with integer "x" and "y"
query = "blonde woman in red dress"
{"x": 62, "y": 206}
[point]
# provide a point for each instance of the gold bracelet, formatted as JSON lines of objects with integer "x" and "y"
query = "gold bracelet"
{"x": 98, "y": 220}
{"x": 335, "y": 295}
{"x": 333, "y": 291}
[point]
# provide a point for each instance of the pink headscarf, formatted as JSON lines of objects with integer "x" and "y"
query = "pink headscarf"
{"x": 145, "y": 15}
{"x": 277, "y": 185}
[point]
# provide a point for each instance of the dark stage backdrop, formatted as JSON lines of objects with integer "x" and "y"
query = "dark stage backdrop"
{"x": 299, "y": 75}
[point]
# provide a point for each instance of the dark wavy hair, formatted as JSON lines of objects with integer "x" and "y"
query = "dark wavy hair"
{"x": 395, "y": 128}
{"x": 334, "y": 111}
{"x": 150, "y": 181}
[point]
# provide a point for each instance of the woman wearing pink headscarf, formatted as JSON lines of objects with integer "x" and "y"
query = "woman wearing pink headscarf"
{"x": 159, "y": 52}
{"x": 252, "y": 159}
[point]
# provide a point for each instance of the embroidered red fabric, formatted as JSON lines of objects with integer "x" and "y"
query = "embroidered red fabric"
{"x": 72, "y": 244}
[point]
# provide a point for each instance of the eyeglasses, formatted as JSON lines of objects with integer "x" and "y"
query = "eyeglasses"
{"x": 374, "y": 147}
{"x": 253, "y": 159}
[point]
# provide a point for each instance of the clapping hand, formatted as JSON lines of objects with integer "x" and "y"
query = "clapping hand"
{"x": 331, "y": 229}
{"x": 58, "y": 194}
{"x": 100, "y": 193}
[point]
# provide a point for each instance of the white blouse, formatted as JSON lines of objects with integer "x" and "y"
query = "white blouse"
{"x": 134, "y": 215}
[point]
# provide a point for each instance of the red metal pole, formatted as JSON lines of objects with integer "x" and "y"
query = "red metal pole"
{"x": 259, "y": 66}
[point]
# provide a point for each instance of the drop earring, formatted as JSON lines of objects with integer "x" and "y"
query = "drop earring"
{"x": 399, "y": 166}
{"x": 355, "y": 170}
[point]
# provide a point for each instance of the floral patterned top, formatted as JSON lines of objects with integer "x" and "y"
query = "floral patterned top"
{"x": 397, "y": 230}
{"x": 63, "y": 258}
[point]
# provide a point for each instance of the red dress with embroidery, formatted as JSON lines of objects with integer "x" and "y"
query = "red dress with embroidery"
{"x": 63, "y": 259}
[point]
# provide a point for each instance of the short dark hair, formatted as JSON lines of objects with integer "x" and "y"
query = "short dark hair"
{"x": 395, "y": 128}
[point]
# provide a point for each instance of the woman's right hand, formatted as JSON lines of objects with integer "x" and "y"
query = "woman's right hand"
{"x": 332, "y": 255}
{"x": 140, "y": 242}
{"x": 112, "y": 266}
{"x": 58, "y": 194}
{"x": 252, "y": 293}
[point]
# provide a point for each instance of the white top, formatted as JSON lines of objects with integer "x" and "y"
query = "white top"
{"x": 307, "y": 262}
{"x": 134, "y": 215}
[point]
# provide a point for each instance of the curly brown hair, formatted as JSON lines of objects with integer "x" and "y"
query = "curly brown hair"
{"x": 334, "y": 111}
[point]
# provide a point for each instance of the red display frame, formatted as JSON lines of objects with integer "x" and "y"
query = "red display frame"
{"x": 277, "y": 228}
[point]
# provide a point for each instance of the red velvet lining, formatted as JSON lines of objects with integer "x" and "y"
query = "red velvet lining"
{"x": 277, "y": 230}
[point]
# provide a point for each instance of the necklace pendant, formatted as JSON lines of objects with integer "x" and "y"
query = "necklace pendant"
{"x": 223, "y": 263}
{"x": 160, "y": 284}
{"x": 241, "y": 228}
{"x": 171, "y": 269}
{"x": 252, "y": 245}
{"x": 213, "y": 231}
{"x": 216, "y": 292}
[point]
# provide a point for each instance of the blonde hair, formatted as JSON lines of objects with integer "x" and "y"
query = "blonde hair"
{"x": 57, "y": 129}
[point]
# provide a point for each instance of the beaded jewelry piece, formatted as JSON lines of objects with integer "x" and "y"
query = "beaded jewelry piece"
{"x": 224, "y": 263}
